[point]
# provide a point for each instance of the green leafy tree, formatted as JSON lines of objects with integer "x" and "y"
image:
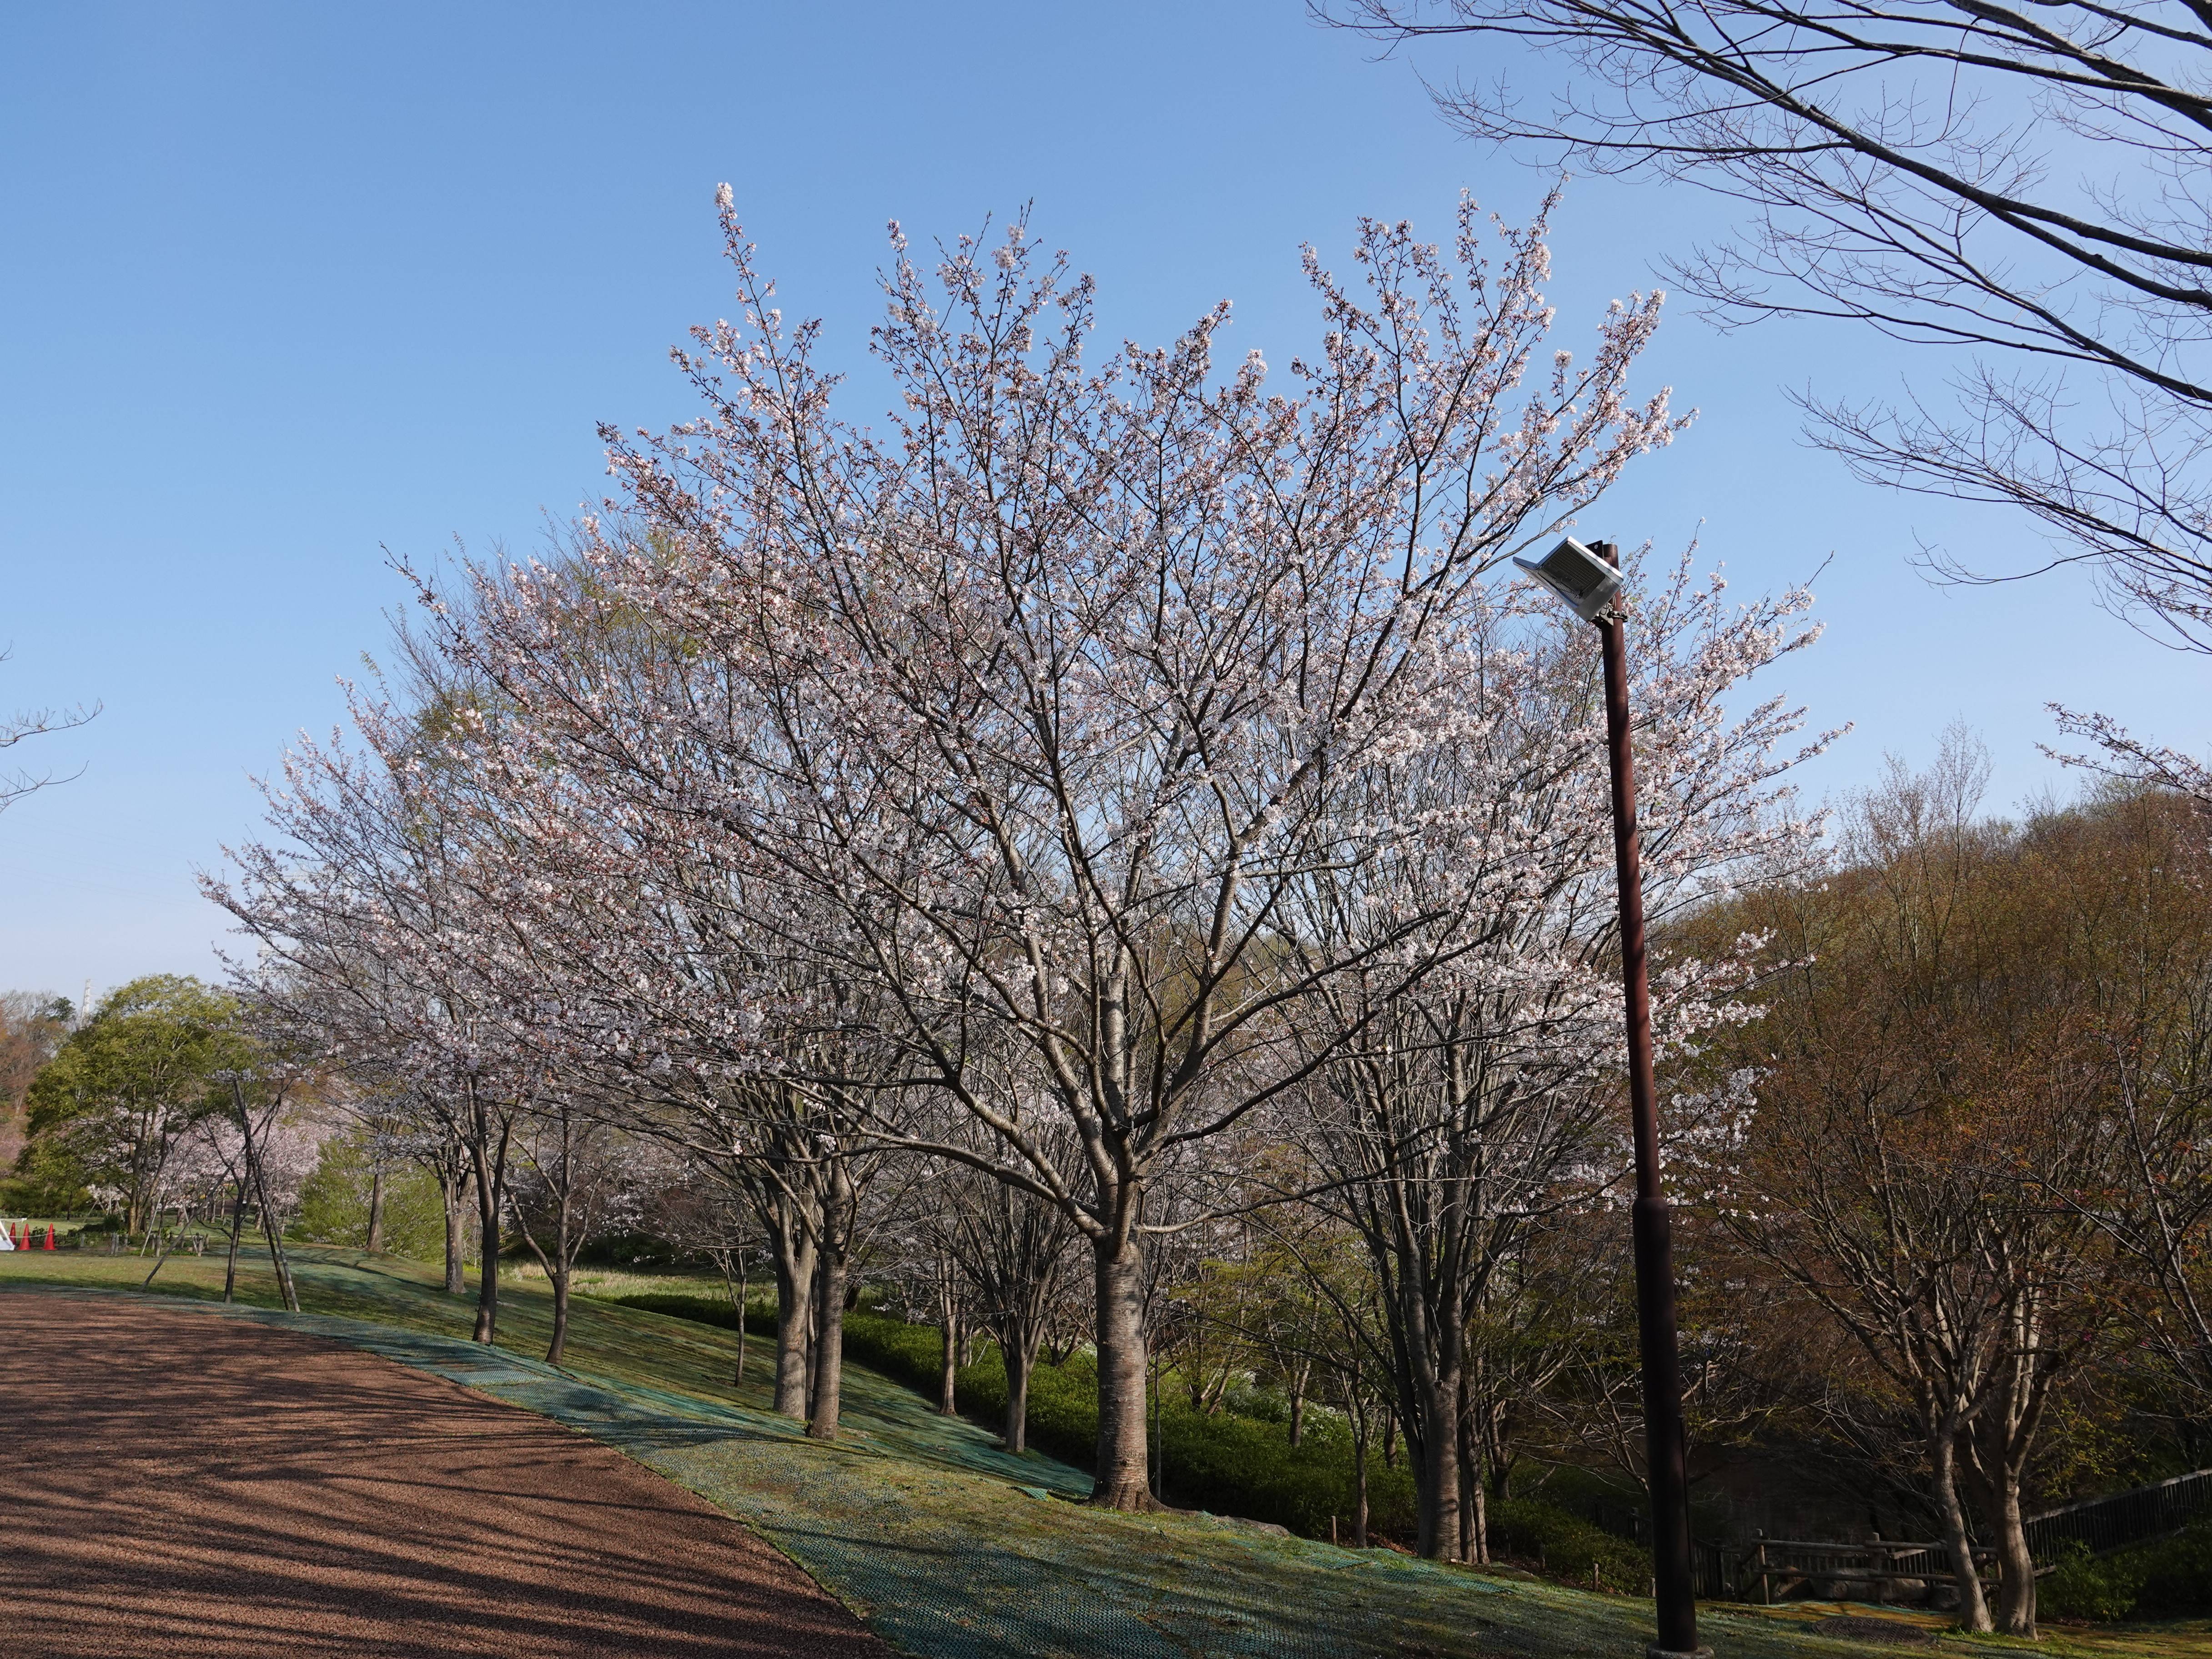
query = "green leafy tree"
{"x": 108, "y": 1111}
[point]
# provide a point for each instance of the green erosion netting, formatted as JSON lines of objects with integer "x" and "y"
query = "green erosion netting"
{"x": 951, "y": 1548}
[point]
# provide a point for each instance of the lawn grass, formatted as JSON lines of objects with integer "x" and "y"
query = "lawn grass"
{"x": 948, "y": 1547}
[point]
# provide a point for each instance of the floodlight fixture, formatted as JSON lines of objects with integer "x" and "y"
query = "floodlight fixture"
{"x": 1578, "y": 575}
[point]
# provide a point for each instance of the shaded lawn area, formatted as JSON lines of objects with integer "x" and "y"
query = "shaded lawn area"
{"x": 947, "y": 1545}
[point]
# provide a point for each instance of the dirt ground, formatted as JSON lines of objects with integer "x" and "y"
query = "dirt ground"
{"x": 181, "y": 1484}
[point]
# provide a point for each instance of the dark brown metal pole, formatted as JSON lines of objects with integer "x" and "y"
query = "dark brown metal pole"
{"x": 1654, "y": 1250}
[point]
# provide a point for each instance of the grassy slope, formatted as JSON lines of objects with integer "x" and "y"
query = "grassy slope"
{"x": 948, "y": 1546}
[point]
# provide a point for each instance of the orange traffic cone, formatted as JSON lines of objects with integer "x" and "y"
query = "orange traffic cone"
{"x": 50, "y": 1234}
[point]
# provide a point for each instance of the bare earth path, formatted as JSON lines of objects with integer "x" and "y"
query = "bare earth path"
{"x": 178, "y": 1484}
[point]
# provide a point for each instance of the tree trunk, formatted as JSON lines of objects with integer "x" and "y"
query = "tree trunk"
{"x": 237, "y": 1229}
{"x": 1996, "y": 1484}
{"x": 375, "y": 1210}
{"x": 490, "y": 1166}
{"x": 2016, "y": 1570}
{"x": 1473, "y": 1509}
{"x": 794, "y": 1301}
{"x": 830, "y": 1304}
{"x": 1018, "y": 1346}
{"x": 454, "y": 1191}
{"x": 1297, "y": 1382}
{"x": 487, "y": 1323}
{"x": 948, "y": 1381}
{"x": 159, "y": 1259}
{"x": 559, "y": 1345}
{"x": 564, "y": 1247}
{"x": 1389, "y": 1440}
{"x": 1435, "y": 1474}
{"x": 736, "y": 1284}
{"x": 1359, "y": 1481}
{"x": 272, "y": 1230}
{"x": 1944, "y": 1456}
{"x": 1120, "y": 1482}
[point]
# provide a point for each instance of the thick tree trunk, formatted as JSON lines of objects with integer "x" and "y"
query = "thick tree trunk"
{"x": 1943, "y": 1457}
{"x": 794, "y": 1319}
{"x": 2016, "y": 1614}
{"x": 1996, "y": 1484}
{"x": 1435, "y": 1474}
{"x": 375, "y": 1241}
{"x": 830, "y": 1306}
{"x": 1123, "y": 1452}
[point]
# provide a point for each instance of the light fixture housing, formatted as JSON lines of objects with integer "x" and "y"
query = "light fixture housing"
{"x": 1578, "y": 575}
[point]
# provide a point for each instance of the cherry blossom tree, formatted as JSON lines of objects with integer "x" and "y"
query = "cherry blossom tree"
{"x": 1039, "y": 695}
{"x": 1468, "y": 1066}
{"x": 372, "y": 936}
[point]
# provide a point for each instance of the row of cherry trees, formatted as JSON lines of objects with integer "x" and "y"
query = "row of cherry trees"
{"x": 1112, "y": 793}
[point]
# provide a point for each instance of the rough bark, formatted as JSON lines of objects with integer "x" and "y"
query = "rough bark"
{"x": 1436, "y": 1470}
{"x": 1121, "y": 1482}
{"x": 830, "y": 1276}
{"x": 794, "y": 1286}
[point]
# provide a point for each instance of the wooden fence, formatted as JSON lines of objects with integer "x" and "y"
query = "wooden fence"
{"x": 1876, "y": 1571}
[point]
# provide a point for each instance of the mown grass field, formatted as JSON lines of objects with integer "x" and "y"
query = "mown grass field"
{"x": 946, "y": 1544}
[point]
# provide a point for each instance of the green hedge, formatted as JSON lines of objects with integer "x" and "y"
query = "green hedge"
{"x": 2166, "y": 1578}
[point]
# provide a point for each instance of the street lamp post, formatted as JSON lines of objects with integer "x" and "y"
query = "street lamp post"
{"x": 1589, "y": 579}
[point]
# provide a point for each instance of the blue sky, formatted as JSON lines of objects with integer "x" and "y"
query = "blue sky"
{"x": 284, "y": 286}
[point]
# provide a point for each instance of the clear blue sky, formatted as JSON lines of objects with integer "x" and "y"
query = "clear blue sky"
{"x": 283, "y": 286}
